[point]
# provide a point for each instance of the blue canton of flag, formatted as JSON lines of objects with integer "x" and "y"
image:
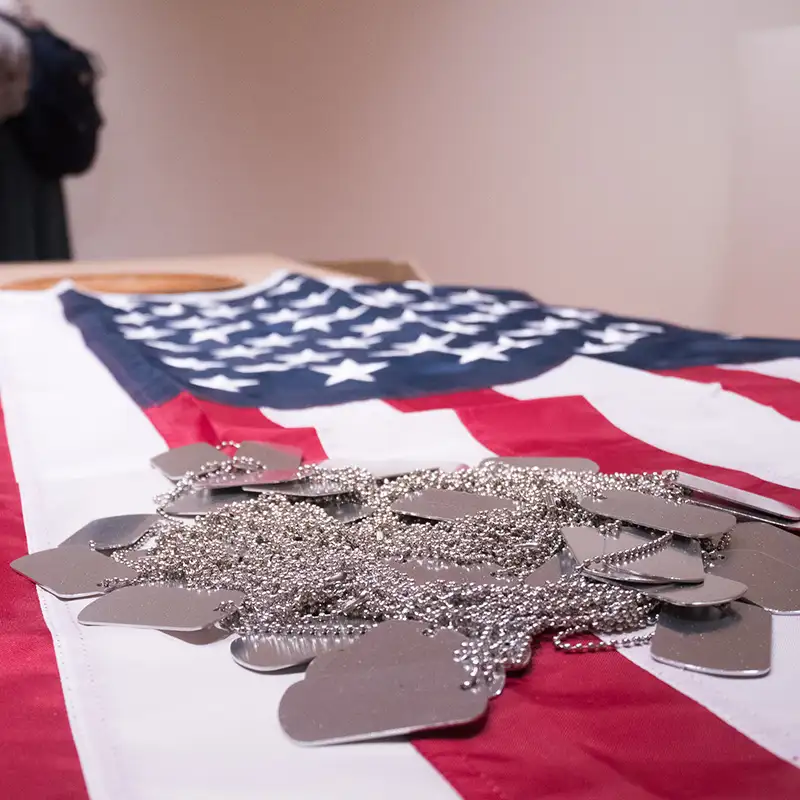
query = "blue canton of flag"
{"x": 299, "y": 342}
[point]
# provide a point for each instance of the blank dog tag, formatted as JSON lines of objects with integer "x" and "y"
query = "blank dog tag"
{"x": 728, "y": 495}
{"x": 680, "y": 561}
{"x": 272, "y": 653}
{"x": 71, "y": 572}
{"x": 767, "y": 539}
{"x": 444, "y": 504}
{"x": 713, "y": 591}
{"x": 236, "y": 480}
{"x": 112, "y": 533}
{"x": 165, "y": 608}
{"x": 658, "y": 514}
{"x": 348, "y": 512}
{"x": 198, "y": 503}
{"x": 553, "y": 570}
{"x": 316, "y": 488}
{"x": 770, "y": 583}
{"x": 385, "y": 470}
{"x": 175, "y": 463}
{"x": 280, "y": 458}
{"x": 542, "y": 462}
{"x": 733, "y": 640}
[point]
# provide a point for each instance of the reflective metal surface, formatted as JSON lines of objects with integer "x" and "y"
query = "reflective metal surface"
{"x": 111, "y": 533}
{"x": 713, "y": 591}
{"x": 658, "y": 514}
{"x": 383, "y": 470}
{"x": 71, "y": 572}
{"x": 273, "y": 653}
{"x": 277, "y": 458}
{"x": 555, "y": 568}
{"x": 202, "y": 501}
{"x": 175, "y": 463}
{"x": 443, "y": 504}
{"x": 733, "y": 640}
{"x": 767, "y": 539}
{"x": 545, "y": 462}
{"x": 425, "y": 570}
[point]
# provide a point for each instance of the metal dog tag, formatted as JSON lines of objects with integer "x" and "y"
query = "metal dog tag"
{"x": 165, "y": 608}
{"x": 553, "y": 570}
{"x": 175, "y": 463}
{"x": 445, "y": 504}
{"x": 112, "y": 533}
{"x": 728, "y": 495}
{"x": 394, "y": 680}
{"x": 733, "y": 640}
{"x": 310, "y": 488}
{"x": 385, "y": 470}
{"x": 678, "y": 562}
{"x": 236, "y": 480}
{"x": 658, "y": 514}
{"x": 200, "y": 502}
{"x": 379, "y": 703}
{"x": 713, "y": 591}
{"x": 767, "y": 539}
{"x": 771, "y": 584}
{"x": 71, "y": 572}
{"x": 570, "y": 464}
{"x": 274, "y": 653}
{"x": 271, "y": 457}
{"x": 426, "y": 570}
{"x": 348, "y": 512}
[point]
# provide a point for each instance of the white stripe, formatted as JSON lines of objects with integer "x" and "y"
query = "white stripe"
{"x": 788, "y": 368}
{"x": 153, "y": 717}
{"x": 374, "y": 430}
{"x": 699, "y": 421}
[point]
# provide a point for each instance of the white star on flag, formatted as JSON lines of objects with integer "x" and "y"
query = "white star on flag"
{"x": 345, "y": 313}
{"x": 451, "y": 326}
{"x": 385, "y": 298}
{"x": 120, "y": 303}
{"x": 482, "y": 351}
{"x": 191, "y": 323}
{"x": 349, "y": 370}
{"x": 238, "y": 351}
{"x": 470, "y": 297}
{"x": 223, "y": 383}
{"x": 516, "y": 344}
{"x": 615, "y": 336}
{"x": 223, "y": 311}
{"x": 220, "y": 334}
{"x": 378, "y": 326}
{"x": 133, "y": 318}
{"x": 171, "y": 310}
{"x": 423, "y": 344}
{"x": 321, "y": 323}
{"x": 476, "y": 316}
{"x": 264, "y": 366}
{"x": 259, "y": 304}
{"x": 349, "y": 343}
{"x": 172, "y": 347}
{"x": 431, "y": 305}
{"x": 595, "y": 349}
{"x": 274, "y": 340}
{"x": 420, "y": 286}
{"x": 284, "y": 315}
{"x": 314, "y": 300}
{"x": 304, "y": 357}
{"x": 287, "y": 286}
{"x": 144, "y": 333}
{"x": 191, "y": 363}
{"x": 573, "y": 313}
{"x": 544, "y": 327}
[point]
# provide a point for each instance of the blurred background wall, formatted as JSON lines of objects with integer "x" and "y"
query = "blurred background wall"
{"x": 627, "y": 154}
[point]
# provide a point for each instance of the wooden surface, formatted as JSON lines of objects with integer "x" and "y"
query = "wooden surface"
{"x": 243, "y": 269}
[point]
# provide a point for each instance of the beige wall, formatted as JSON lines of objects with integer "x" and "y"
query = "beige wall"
{"x": 586, "y": 150}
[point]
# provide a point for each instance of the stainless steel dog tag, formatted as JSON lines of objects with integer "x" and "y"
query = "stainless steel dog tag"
{"x": 317, "y": 488}
{"x": 175, "y": 463}
{"x": 270, "y": 457}
{"x": 112, "y": 533}
{"x": 728, "y": 495}
{"x": 346, "y": 512}
{"x": 733, "y": 640}
{"x": 71, "y": 572}
{"x": 444, "y": 504}
{"x": 200, "y": 502}
{"x": 165, "y": 608}
{"x": 658, "y": 514}
{"x": 553, "y": 570}
{"x": 543, "y": 462}
{"x": 767, "y": 539}
{"x": 236, "y": 480}
{"x": 771, "y": 584}
{"x": 713, "y": 591}
{"x": 274, "y": 653}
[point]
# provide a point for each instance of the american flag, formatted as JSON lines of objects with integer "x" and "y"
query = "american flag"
{"x": 93, "y": 386}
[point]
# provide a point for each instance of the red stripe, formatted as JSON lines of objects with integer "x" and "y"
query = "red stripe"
{"x": 38, "y": 759}
{"x": 781, "y": 394}
{"x": 186, "y": 419}
{"x": 597, "y": 727}
{"x": 479, "y": 397}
